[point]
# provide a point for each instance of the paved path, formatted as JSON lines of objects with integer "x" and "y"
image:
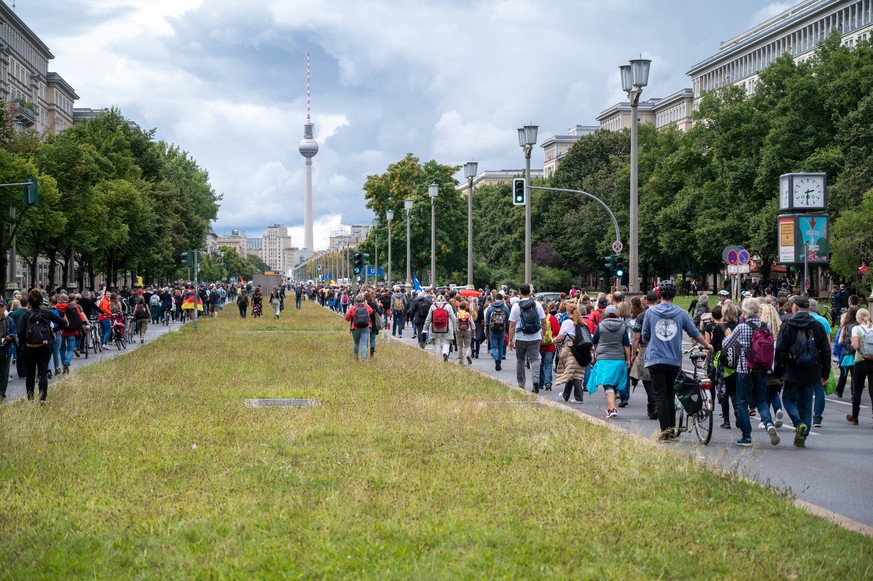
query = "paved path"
{"x": 16, "y": 387}
{"x": 834, "y": 471}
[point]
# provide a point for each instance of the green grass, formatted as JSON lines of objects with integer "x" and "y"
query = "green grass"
{"x": 149, "y": 466}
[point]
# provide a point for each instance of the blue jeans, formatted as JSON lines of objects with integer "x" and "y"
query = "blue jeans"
{"x": 752, "y": 387}
{"x": 67, "y": 349}
{"x": 397, "y": 323}
{"x": 56, "y": 349}
{"x": 106, "y": 330}
{"x": 547, "y": 367}
{"x": 797, "y": 398}
{"x": 819, "y": 404}
{"x": 361, "y": 338}
{"x": 373, "y": 334}
{"x": 498, "y": 345}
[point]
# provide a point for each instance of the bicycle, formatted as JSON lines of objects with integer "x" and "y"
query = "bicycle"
{"x": 694, "y": 392}
{"x": 166, "y": 318}
{"x": 93, "y": 340}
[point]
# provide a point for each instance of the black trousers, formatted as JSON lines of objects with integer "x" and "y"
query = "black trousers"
{"x": 36, "y": 361}
{"x": 663, "y": 377}
{"x": 863, "y": 374}
{"x": 5, "y": 360}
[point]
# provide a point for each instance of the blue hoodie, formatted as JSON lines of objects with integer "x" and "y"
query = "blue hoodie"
{"x": 662, "y": 330}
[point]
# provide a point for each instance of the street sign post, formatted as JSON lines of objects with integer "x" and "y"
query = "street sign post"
{"x": 617, "y": 246}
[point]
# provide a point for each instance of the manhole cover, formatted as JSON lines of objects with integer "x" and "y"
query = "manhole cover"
{"x": 534, "y": 404}
{"x": 281, "y": 403}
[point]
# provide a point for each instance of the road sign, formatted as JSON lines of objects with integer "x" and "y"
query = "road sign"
{"x": 743, "y": 256}
{"x": 734, "y": 269}
{"x": 732, "y": 257}
{"x": 617, "y": 246}
{"x": 727, "y": 249}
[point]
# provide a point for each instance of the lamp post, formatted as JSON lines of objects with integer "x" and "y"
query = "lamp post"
{"x": 390, "y": 215}
{"x": 470, "y": 170}
{"x": 634, "y": 77}
{"x": 527, "y": 138}
{"x": 375, "y": 250}
{"x": 433, "y": 191}
{"x": 407, "y": 203}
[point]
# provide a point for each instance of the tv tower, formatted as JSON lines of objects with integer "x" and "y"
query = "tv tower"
{"x": 308, "y": 148}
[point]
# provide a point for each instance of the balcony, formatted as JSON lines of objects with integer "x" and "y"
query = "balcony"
{"x": 24, "y": 114}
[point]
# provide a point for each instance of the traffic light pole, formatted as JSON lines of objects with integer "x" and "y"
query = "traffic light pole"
{"x": 593, "y": 197}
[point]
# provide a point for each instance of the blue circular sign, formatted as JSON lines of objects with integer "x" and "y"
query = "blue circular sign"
{"x": 743, "y": 256}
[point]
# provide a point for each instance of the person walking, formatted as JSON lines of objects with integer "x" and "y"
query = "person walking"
{"x": 844, "y": 350}
{"x": 375, "y": 320}
{"x": 399, "y": 304}
{"x": 141, "y": 315}
{"x": 422, "y": 310}
{"x": 464, "y": 335}
{"x": 662, "y": 330}
{"x": 360, "y": 320}
{"x": 611, "y": 358}
{"x": 275, "y": 302}
{"x": 36, "y": 338}
{"x": 570, "y": 372}
{"x": 441, "y": 324}
{"x": 752, "y": 371}
{"x": 638, "y": 370}
{"x": 496, "y": 317}
{"x": 242, "y": 301}
{"x": 802, "y": 358}
{"x": 526, "y": 321}
{"x": 7, "y": 340}
{"x": 257, "y": 299}
{"x": 862, "y": 343}
{"x": 547, "y": 346}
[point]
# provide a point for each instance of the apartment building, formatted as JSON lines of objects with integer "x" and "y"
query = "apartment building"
{"x": 795, "y": 31}
{"x": 496, "y": 177}
{"x": 36, "y": 98}
{"x": 557, "y": 146}
{"x": 662, "y": 112}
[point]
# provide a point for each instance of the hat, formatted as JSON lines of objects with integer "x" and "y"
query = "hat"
{"x": 601, "y": 302}
{"x": 747, "y": 294}
{"x": 2, "y": 302}
{"x": 610, "y": 310}
{"x": 723, "y": 293}
{"x": 802, "y": 301}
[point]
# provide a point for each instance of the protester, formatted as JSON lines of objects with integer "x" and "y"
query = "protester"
{"x": 359, "y": 318}
{"x": 36, "y": 338}
{"x": 862, "y": 343}
{"x": 441, "y": 324}
{"x": 611, "y": 358}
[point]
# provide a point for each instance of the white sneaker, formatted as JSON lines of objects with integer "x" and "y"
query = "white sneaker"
{"x": 761, "y": 426}
{"x": 779, "y": 418}
{"x": 774, "y": 435}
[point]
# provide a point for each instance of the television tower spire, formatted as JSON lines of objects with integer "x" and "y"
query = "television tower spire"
{"x": 308, "y": 148}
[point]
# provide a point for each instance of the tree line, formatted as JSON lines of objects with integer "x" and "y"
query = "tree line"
{"x": 112, "y": 200}
{"x": 714, "y": 185}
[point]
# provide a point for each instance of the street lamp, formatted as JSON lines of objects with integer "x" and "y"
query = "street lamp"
{"x": 527, "y": 138}
{"x": 407, "y": 203}
{"x": 376, "y": 249}
{"x": 433, "y": 191}
{"x": 634, "y": 77}
{"x": 470, "y": 170}
{"x": 390, "y": 215}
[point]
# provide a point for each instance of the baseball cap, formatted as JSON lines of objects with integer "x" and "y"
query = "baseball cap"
{"x": 601, "y": 302}
{"x": 802, "y": 301}
{"x": 610, "y": 310}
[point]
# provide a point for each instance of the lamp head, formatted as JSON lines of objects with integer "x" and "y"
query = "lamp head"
{"x": 527, "y": 135}
{"x": 433, "y": 190}
{"x": 470, "y": 169}
{"x": 407, "y": 203}
{"x": 390, "y": 215}
{"x": 627, "y": 79}
{"x": 640, "y": 72}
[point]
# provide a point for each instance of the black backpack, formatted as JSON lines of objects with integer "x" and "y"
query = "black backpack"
{"x": 582, "y": 343}
{"x": 362, "y": 317}
{"x": 530, "y": 321}
{"x": 39, "y": 329}
{"x": 804, "y": 351}
{"x": 74, "y": 319}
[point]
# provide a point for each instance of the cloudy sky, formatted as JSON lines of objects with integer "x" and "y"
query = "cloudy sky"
{"x": 449, "y": 80}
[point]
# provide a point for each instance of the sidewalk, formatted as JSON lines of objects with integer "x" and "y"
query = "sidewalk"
{"x": 16, "y": 389}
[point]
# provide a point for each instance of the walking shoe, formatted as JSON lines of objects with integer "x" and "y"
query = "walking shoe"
{"x": 668, "y": 436}
{"x": 852, "y": 419}
{"x": 816, "y": 423}
{"x": 497, "y": 365}
{"x": 774, "y": 435}
{"x": 469, "y": 360}
{"x": 577, "y": 400}
{"x": 536, "y": 388}
{"x": 744, "y": 442}
{"x": 549, "y": 387}
{"x": 622, "y": 403}
{"x": 66, "y": 368}
{"x": 779, "y": 417}
{"x": 527, "y": 364}
{"x": 800, "y": 436}
{"x": 726, "y": 425}
{"x": 761, "y": 426}
{"x": 76, "y": 352}
{"x": 445, "y": 356}
{"x": 611, "y": 413}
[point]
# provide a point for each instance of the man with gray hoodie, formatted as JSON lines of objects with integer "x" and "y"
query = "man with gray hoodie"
{"x": 662, "y": 331}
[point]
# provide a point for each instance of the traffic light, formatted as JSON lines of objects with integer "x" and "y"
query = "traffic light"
{"x": 609, "y": 263}
{"x": 619, "y": 265}
{"x": 359, "y": 263}
{"x": 31, "y": 192}
{"x": 187, "y": 258}
{"x": 518, "y": 193}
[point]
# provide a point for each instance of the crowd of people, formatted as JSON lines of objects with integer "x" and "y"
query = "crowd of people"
{"x": 769, "y": 355}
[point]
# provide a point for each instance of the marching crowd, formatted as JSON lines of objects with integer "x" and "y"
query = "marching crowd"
{"x": 768, "y": 356}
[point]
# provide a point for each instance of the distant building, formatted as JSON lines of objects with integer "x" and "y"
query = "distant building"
{"x": 496, "y": 177}
{"x": 556, "y": 147}
{"x": 37, "y": 99}
{"x": 81, "y": 114}
{"x": 673, "y": 110}
{"x": 795, "y": 31}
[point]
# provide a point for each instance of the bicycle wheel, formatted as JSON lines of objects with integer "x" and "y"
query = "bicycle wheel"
{"x": 680, "y": 418}
{"x": 703, "y": 419}
{"x": 86, "y": 340}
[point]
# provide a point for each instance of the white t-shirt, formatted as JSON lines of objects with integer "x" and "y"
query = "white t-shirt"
{"x": 859, "y": 332}
{"x": 515, "y": 317}
{"x": 568, "y": 328}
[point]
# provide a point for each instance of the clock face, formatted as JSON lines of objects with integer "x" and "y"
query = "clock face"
{"x": 808, "y": 191}
{"x": 784, "y": 193}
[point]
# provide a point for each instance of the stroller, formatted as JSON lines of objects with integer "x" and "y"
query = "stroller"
{"x": 117, "y": 323}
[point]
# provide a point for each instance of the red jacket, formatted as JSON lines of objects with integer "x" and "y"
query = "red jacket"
{"x": 556, "y": 328}
{"x": 350, "y": 315}
{"x": 66, "y": 331}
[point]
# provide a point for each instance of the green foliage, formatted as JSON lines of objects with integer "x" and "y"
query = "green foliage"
{"x": 257, "y": 263}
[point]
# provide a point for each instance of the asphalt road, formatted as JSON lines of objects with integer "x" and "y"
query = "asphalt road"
{"x": 834, "y": 471}
{"x": 16, "y": 388}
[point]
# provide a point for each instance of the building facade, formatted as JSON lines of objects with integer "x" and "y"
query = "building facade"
{"x": 673, "y": 110}
{"x": 557, "y": 146}
{"x": 796, "y": 31}
{"x": 497, "y": 177}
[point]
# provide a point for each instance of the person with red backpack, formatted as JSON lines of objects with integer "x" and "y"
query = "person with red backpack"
{"x": 70, "y": 334}
{"x": 441, "y": 324}
{"x": 757, "y": 349}
{"x": 359, "y": 317}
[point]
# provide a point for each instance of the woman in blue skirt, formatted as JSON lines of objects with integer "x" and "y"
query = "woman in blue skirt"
{"x": 611, "y": 358}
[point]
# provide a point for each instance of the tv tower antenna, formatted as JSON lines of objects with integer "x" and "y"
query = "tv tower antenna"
{"x": 308, "y": 148}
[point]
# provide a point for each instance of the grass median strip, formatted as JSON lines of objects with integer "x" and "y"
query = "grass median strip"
{"x": 150, "y": 465}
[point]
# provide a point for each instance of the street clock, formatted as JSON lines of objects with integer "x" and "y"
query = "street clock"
{"x": 803, "y": 191}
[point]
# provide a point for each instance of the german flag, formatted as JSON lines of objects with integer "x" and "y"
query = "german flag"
{"x": 188, "y": 303}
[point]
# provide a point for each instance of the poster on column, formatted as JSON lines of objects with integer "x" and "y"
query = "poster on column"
{"x": 812, "y": 230}
{"x": 786, "y": 239}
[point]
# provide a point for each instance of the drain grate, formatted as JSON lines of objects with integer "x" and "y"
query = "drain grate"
{"x": 281, "y": 403}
